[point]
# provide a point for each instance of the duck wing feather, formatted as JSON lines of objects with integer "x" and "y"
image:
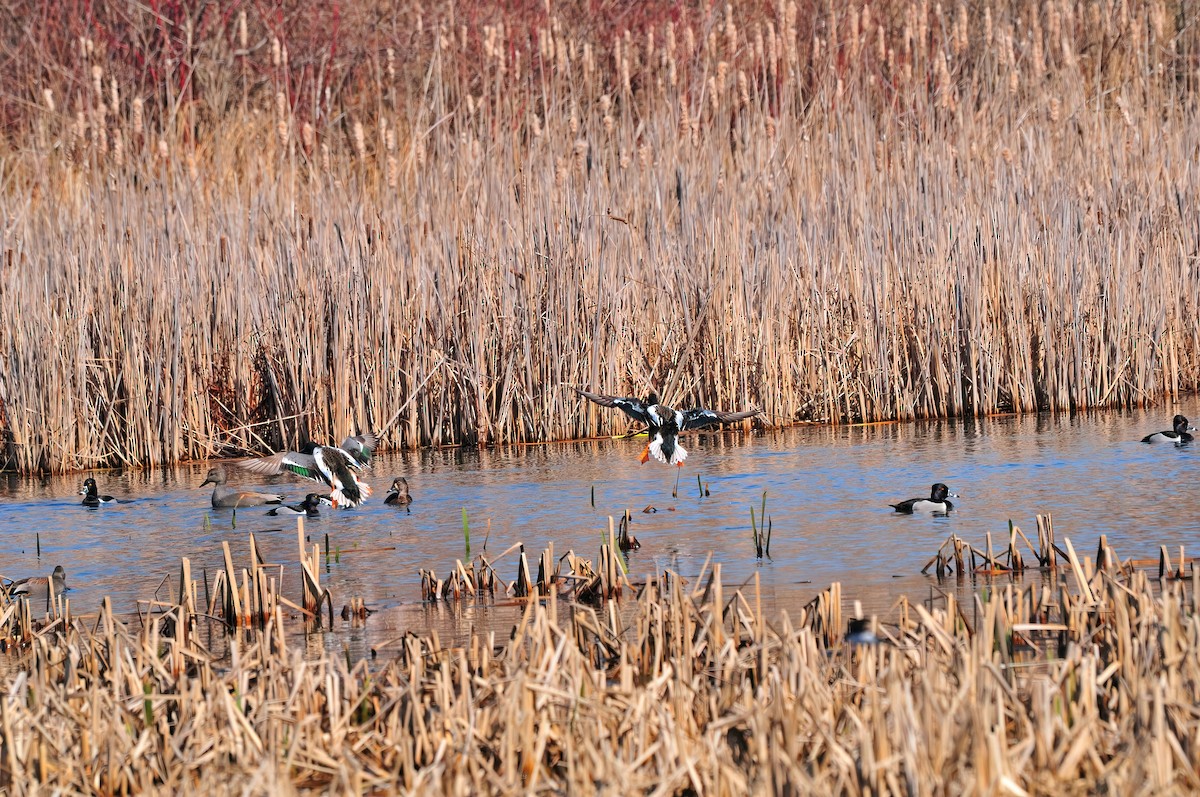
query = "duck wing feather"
{"x": 632, "y": 407}
{"x": 303, "y": 465}
{"x": 697, "y": 418}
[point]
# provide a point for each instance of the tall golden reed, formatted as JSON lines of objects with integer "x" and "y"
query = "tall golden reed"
{"x": 964, "y": 217}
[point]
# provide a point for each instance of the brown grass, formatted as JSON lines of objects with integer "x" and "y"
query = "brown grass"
{"x": 887, "y": 211}
{"x": 1052, "y": 687}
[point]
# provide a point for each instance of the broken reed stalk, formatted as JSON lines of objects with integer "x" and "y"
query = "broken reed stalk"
{"x": 89, "y": 155}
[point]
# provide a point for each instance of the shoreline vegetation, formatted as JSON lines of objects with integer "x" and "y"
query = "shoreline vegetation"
{"x": 227, "y": 232}
{"x": 1081, "y": 678}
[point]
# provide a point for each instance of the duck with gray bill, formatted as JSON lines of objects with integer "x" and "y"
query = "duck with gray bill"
{"x": 39, "y": 586}
{"x": 936, "y": 502}
{"x": 333, "y": 465}
{"x": 224, "y": 496}
{"x": 1177, "y": 435}
{"x": 663, "y": 424}
{"x": 308, "y": 507}
{"x": 91, "y": 494}
{"x": 398, "y": 493}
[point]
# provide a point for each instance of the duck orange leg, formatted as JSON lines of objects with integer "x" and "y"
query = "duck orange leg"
{"x": 645, "y": 457}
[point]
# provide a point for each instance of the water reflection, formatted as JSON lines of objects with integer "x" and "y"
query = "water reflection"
{"x": 827, "y": 494}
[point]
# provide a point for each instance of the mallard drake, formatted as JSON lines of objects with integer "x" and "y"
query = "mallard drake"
{"x": 224, "y": 497}
{"x": 308, "y": 507}
{"x": 91, "y": 496}
{"x": 333, "y": 465}
{"x": 40, "y": 585}
{"x": 398, "y": 493}
{"x": 664, "y": 424}
{"x": 936, "y": 502}
{"x": 1178, "y": 435}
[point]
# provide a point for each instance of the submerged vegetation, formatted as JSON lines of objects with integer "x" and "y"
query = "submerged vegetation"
{"x": 227, "y": 229}
{"x": 1084, "y": 682}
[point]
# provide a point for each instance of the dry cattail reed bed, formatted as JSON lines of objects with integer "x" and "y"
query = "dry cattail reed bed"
{"x": 1055, "y": 686}
{"x": 232, "y": 231}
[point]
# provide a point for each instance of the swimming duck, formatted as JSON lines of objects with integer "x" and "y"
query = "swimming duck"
{"x": 398, "y": 493}
{"x": 333, "y": 465}
{"x": 224, "y": 496}
{"x": 308, "y": 507}
{"x": 37, "y": 586}
{"x": 936, "y": 502}
{"x": 91, "y": 495}
{"x": 1177, "y": 436}
{"x": 664, "y": 424}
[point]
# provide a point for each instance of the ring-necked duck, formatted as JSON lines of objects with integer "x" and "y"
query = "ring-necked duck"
{"x": 91, "y": 496}
{"x": 224, "y": 496}
{"x": 398, "y": 493}
{"x": 333, "y": 465}
{"x": 308, "y": 507}
{"x": 1178, "y": 435}
{"x": 664, "y": 424}
{"x": 936, "y": 502}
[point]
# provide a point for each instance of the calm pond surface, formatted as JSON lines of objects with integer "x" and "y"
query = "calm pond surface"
{"x": 828, "y": 490}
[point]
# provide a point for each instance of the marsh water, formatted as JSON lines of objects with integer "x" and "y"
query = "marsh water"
{"x": 827, "y": 495}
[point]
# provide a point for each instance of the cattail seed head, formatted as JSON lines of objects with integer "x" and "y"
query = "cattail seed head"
{"x": 731, "y": 33}
{"x": 308, "y": 136}
{"x": 743, "y": 85}
{"x": 48, "y": 98}
{"x": 163, "y": 150}
{"x": 360, "y": 141}
{"x": 391, "y": 64}
{"x": 97, "y": 74}
{"x": 276, "y": 53}
{"x": 136, "y": 121}
{"x": 243, "y": 34}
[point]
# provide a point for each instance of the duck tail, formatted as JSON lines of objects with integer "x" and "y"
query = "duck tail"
{"x": 668, "y": 452}
{"x": 350, "y": 495}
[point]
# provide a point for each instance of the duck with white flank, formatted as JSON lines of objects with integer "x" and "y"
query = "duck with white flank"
{"x": 308, "y": 507}
{"x": 333, "y": 465}
{"x": 224, "y": 496}
{"x": 936, "y": 502}
{"x": 665, "y": 424}
{"x": 91, "y": 494}
{"x": 1178, "y": 435}
{"x": 398, "y": 493}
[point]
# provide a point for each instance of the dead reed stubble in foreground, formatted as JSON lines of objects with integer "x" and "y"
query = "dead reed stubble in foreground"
{"x": 890, "y": 210}
{"x": 1043, "y": 690}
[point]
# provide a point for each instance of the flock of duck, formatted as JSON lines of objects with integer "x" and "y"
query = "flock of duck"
{"x": 338, "y": 468}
